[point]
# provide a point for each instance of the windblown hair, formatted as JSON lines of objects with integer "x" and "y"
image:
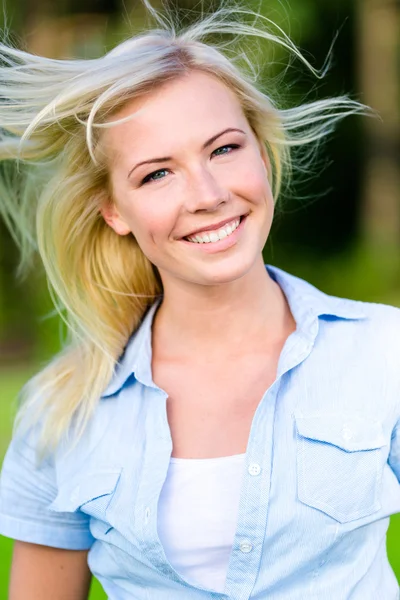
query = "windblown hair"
{"x": 52, "y": 115}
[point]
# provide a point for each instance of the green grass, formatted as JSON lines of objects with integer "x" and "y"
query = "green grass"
{"x": 10, "y": 383}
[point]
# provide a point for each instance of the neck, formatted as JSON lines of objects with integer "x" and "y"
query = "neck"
{"x": 210, "y": 320}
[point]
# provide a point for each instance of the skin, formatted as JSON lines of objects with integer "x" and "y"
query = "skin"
{"x": 43, "y": 573}
{"x": 197, "y": 188}
{"x": 223, "y": 321}
{"x": 235, "y": 318}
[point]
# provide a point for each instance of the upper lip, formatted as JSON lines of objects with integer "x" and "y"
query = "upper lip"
{"x": 214, "y": 226}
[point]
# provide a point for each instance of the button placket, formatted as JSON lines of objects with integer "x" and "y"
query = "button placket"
{"x": 254, "y": 502}
{"x": 155, "y": 460}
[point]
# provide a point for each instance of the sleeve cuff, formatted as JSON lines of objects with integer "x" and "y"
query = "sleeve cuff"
{"x": 55, "y": 537}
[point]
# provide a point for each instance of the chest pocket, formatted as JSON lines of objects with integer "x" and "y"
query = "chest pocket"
{"x": 340, "y": 465}
{"x": 91, "y": 493}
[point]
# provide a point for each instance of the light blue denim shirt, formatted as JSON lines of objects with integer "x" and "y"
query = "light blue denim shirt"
{"x": 321, "y": 475}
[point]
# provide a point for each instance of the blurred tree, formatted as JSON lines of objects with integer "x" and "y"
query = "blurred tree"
{"x": 378, "y": 35}
{"x": 60, "y": 32}
{"x": 319, "y": 216}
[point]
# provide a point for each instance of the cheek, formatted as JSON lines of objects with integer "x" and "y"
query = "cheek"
{"x": 145, "y": 212}
{"x": 249, "y": 179}
{"x": 149, "y": 222}
{"x": 254, "y": 186}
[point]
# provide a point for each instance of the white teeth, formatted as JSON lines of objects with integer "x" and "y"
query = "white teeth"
{"x": 215, "y": 236}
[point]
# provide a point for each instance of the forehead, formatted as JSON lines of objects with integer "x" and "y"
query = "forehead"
{"x": 188, "y": 109}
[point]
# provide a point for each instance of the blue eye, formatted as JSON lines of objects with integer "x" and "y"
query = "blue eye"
{"x": 225, "y": 149}
{"x": 155, "y": 176}
{"x": 161, "y": 173}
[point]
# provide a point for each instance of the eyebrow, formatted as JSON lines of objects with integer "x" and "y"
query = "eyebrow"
{"x": 205, "y": 145}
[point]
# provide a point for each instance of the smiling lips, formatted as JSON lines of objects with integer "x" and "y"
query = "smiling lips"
{"x": 214, "y": 235}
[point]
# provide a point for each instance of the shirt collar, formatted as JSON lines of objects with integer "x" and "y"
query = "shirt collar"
{"x": 305, "y": 299}
{"x": 306, "y": 304}
{"x": 136, "y": 358}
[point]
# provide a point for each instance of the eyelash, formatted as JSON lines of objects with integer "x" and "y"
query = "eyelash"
{"x": 148, "y": 178}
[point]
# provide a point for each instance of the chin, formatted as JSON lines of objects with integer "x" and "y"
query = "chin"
{"x": 223, "y": 272}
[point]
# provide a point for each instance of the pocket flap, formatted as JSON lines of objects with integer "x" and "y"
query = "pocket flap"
{"x": 351, "y": 433}
{"x": 89, "y": 486}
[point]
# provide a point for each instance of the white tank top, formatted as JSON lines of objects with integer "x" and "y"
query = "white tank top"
{"x": 197, "y": 517}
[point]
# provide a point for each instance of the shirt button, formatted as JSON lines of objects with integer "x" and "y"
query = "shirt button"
{"x": 147, "y": 513}
{"x": 254, "y": 469}
{"x": 246, "y": 547}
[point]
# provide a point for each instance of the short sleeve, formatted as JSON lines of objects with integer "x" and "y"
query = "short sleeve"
{"x": 394, "y": 456}
{"x": 27, "y": 488}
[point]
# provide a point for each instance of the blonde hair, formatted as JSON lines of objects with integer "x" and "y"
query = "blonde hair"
{"x": 52, "y": 114}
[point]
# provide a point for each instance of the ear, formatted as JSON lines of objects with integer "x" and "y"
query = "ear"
{"x": 113, "y": 218}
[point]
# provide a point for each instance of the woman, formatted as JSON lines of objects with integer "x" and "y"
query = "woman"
{"x": 213, "y": 428}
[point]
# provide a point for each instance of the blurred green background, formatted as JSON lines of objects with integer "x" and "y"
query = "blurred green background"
{"x": 338, "y": 227}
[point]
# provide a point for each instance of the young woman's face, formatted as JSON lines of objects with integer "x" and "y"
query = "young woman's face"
{"x": 189, "y": 180}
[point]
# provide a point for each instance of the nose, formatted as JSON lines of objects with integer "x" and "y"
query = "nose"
{"x": 205, "y": 193}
